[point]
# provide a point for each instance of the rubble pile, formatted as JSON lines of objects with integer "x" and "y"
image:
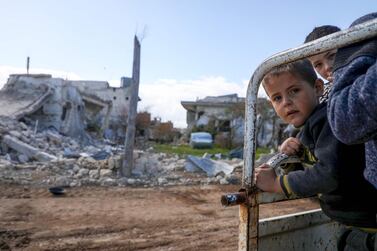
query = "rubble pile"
{"x": 50, "y": 158}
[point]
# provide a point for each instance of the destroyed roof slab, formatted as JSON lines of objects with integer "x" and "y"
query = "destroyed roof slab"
{"x": 219, "y": 101}
{"x": 18, "y": 99}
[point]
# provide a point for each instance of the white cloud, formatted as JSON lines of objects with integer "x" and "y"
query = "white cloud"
{"x": 163, "y": 97}
{"x": 114, "y": 82}
{"x": 6, "y": 70}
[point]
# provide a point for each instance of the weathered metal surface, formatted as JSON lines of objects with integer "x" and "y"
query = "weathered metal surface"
{"x": 310, "y": 230}
{"x": 249, "y": 212}
{"x": 253, "y": 221}
{"x": 264, "y": 197}
{"x": 233, "y": 199}
{"x": 280, "y": 163}
{"x": 243, "y": 237}
{"x": 339, "y": 39}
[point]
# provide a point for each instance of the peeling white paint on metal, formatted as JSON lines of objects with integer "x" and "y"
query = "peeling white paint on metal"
{"x": 310, "y": 230}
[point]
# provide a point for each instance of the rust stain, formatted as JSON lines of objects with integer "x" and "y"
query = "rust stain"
{"x": 243, "y": 228}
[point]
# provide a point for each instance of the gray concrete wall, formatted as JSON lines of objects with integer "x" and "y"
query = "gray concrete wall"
{"x": 119, "y": 96}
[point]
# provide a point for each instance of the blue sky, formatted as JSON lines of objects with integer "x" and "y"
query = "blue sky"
{"x": 191, "y": 49}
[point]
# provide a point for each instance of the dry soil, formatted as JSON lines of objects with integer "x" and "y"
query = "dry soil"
{"x": 114, "y": 218}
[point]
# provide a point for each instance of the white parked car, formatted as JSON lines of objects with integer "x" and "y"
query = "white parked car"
{"x": 201, "y": 140}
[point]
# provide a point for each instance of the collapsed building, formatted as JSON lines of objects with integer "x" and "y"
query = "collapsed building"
{"x": 223, "y": 116}
{"x": 69, "y": 107}
{"x": 82, "y": 112}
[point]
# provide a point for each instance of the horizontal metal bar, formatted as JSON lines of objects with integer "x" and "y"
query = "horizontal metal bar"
{"x": 233, "y": 199}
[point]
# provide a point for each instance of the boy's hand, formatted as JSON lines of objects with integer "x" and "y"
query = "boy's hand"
{"x": 267, "y": 180}
{"x": 290, "y": 146}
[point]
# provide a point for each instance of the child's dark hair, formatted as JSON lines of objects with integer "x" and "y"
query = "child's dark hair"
{"x": 301, "y": 69}
{"x": 321, "y": 31}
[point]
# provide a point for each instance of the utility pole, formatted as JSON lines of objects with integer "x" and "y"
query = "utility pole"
{"x": 27, "y": 65}
{"x": 128, "y": 161}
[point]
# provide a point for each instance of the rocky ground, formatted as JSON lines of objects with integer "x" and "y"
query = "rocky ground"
{"x": 124, "y": 218}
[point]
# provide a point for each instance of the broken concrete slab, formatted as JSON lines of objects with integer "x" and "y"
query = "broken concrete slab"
{"x": 27, "y": 150}
{"x": 54, "y": 137}
{"x": 18, "y": 98}
{"x": 211, "y": 167}
{"x": 191, "y": 167}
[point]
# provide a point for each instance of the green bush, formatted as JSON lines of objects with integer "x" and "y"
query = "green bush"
{"x": 184, "y": 150}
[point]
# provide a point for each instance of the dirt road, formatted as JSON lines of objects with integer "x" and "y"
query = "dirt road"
{"x": 113, "y": 218}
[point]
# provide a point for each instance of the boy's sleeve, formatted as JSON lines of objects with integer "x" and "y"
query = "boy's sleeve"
{"x": 283, "y": 180}
{"x": 322, "y": 177}
{"x": 352, "y": 106}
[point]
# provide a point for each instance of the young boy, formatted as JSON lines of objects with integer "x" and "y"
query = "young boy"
{"x": 336, "y": 177}
{"x": 352, "y": 109}
{"x": 323, "y": 62}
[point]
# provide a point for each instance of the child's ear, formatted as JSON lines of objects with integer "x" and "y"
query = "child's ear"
{"x": 318, "y": 87}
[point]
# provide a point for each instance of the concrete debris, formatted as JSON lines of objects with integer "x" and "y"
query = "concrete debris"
{"x": 44, "y": 141}
{"x": 151, "y": 169}
{"x": 26, "y": 150}
{"x": 211, "y": 167}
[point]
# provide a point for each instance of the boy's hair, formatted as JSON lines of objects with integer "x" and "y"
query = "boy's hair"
{"x": 321, "y": 31}
{"x": 364, "y": 18}
{"x": 301, "y": 69}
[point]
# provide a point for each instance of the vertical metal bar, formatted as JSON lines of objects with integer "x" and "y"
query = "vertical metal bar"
{"x": 248, "y": 226}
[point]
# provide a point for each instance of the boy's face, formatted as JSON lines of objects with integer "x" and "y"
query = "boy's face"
{"x": 293, "y": 99}
{"x": 323, "y": 64}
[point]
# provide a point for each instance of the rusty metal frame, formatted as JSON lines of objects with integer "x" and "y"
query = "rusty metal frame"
{"x": 249, "y": 211}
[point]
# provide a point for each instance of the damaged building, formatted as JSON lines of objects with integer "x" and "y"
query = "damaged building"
{"x": 69, "y": 107}
{"x": 214, "y": 114}
{"x": 223, "y": 116}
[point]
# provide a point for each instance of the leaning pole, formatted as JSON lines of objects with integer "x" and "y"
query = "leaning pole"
{"x": 128, "y": 162}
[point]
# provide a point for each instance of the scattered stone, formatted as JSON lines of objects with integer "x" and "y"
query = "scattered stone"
{"x": 15, "y": 134}
{"x": 162, "y": 181}
{"x": 76, "y": 169}
{"x": 109, "y": 182}
{"x": 122, "y": 181}
{"x": 83, "y": 172}
{"x": 63, "y": 181}
{"x": 131, "y": 181}
{"x": 105, "y": 173}
{"x": 224, "y": 181}
{"x": 54, "y": 138}
{"x": 94, "y": 174}
{"x": 22, "y": 158}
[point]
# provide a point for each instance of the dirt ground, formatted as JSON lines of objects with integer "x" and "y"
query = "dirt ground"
{"x": 114, "y": 218}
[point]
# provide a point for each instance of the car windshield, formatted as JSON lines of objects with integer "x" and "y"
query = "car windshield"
{"x": 201, "y": 136}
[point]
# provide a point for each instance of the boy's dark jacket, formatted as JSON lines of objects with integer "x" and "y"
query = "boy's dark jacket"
{"x": 337, "y": 177}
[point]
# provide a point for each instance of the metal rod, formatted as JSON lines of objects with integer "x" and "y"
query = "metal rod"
{"x": 233, "y": 199}
{"x": 339, "y": 39}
